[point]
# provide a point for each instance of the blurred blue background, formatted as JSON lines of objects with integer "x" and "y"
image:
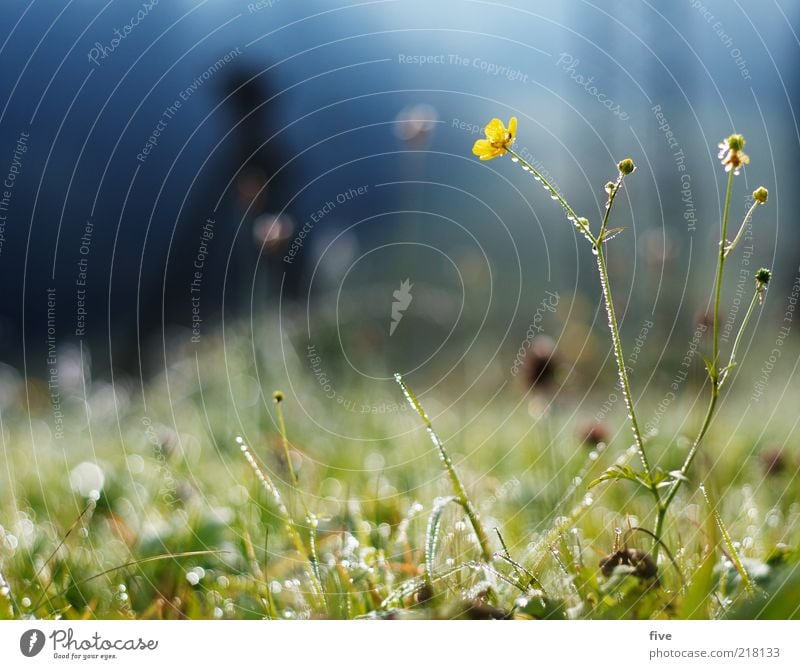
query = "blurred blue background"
{"x": 328, "y": 144}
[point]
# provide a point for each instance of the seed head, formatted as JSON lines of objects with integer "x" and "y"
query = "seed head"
{"x": 736, "y": 142}
{"x": 731, "y": 154}
{"x": 277, "y": 396}
{"x": 762, "y": 280}
{"x": 626, "y": 166}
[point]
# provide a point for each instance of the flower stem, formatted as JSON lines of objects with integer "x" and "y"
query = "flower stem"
{"x": 597, "y": 243}
{"x": 615, "y": 338}
{"x": 309, "y": 518}
{"x": 714, "y": 374}
{"x": 458, "y": 486}
{"x": 571, "y": 215}
{"x": 288, "y": 455}
{"x": 611, "y": 197}
{"x": 736, "y": 342}
{"x": 623, "y": 374}
{"x": 612, "y": 317}
{"x": 720, "y": 269}
{"x": 712, "y": 405}
{"x": 288, "y": 522}
{"x": 742, "y": 228}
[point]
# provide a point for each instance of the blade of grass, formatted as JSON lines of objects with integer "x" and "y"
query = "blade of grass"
{"x": 133, "y": 563}
{"x": 726, "y": 537}
{"x": 45, "y": 587}
{"x": 288, "y": 523}
{"x": 432, "y": 533}
{"x": 461, "y": 492}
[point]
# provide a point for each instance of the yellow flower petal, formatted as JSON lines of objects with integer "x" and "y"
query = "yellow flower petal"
{"x": 495, "y": 131}
{"x": 498, "y": 139}
{"x": 481, "y": 147}
{"x": 494, "y": 154}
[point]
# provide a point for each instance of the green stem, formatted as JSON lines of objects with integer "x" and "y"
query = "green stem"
{"x": 606, "y": 285}
{"x": 615, "y": 338}
{"x": 623, "y": 373}
{"x": 720, "y": 269}
{"x": 310, "y": 518}
{"x": 571, "y": 215}
{"x": 612, "y": 317}
{"x": 742, "y": 228}
{"x": 742, "y": 328}
{"x": 618, "y": 354}
{"x": 458, "y": 486}
{"x": 687, "y": 463}
{"x": 288, "y": 522}
{"x": 714, "y": 375}
{"x": 611, "y": 197}
{"x": 288, "y": 456}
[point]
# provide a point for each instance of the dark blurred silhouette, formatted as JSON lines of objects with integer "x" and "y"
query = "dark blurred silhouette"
{"x": 247, "y": 139}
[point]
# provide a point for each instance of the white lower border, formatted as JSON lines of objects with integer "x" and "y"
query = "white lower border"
{"x": 391, "y": 644}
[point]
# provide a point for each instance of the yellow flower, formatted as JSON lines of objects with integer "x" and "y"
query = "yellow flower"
{"x": 731, "y": 154}
{"x": 498, "y": 139}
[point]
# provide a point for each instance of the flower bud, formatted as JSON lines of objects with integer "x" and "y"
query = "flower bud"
{"x": 760, "y": 195}
{"x": 735, "y": 142}
{"x": 626, "y": 166}
{"x": 277, "y": 396}
{"x": 763, "y": 276}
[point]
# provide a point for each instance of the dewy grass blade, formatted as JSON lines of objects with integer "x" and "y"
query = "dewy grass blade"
{"x": 726, "y": 537}
{"x": 432, "y": 533}
{"x": 458, "y": 486}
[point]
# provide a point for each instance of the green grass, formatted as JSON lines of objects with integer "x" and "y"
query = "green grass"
{"x": 184, "y": 528}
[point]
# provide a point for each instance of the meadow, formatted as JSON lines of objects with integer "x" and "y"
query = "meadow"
{"x": 182, "y": 527}
{"x": 245, "y": 481}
